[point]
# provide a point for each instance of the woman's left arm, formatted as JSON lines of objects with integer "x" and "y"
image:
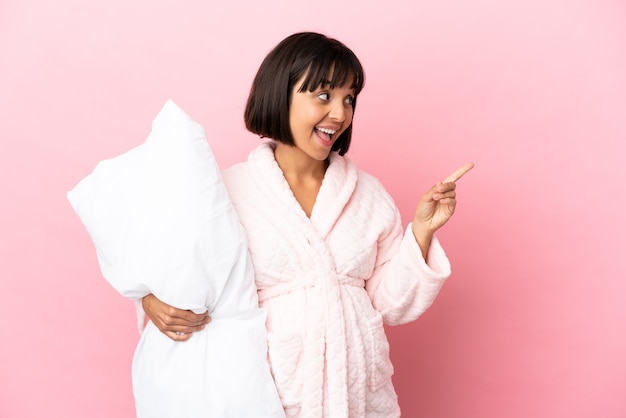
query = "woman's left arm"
{"x": 412, "y": 267}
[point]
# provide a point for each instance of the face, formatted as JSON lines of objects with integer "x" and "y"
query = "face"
{"x": 317, "y": 118}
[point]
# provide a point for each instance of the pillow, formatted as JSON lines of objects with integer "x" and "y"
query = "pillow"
{"x": 162, "y": 222}
{"x": 161, "y": 218}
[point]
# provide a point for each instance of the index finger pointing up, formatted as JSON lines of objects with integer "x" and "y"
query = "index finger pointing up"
{"x": 459, "y": 173}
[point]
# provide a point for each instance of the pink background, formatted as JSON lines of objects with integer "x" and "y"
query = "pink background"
{"x": 533, "y": 321}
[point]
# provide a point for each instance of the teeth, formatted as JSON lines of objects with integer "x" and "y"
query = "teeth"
{"x": 326, "y": 131}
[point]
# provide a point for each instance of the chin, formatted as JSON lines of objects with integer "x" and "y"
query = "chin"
{"x": 323, "y": 154}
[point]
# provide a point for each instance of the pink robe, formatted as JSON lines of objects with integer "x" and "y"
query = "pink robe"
{"x": 328, "y": 283}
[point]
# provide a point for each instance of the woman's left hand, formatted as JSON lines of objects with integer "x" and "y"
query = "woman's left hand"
{"x": 436, "y": 207}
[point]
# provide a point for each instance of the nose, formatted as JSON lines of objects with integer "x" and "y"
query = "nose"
{"x": 337, "y": 111}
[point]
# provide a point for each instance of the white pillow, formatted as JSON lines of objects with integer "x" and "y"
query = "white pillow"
{"x": 162, "y": 222}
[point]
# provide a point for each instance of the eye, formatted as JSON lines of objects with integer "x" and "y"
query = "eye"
{"x": 349, "y": 100}
{"x": 324, "y": 96}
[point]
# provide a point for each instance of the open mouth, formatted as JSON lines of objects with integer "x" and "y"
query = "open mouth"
{"x": 325, "y": 133}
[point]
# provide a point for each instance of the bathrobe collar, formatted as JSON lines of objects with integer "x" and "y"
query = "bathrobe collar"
{"x": 337, "y": 187}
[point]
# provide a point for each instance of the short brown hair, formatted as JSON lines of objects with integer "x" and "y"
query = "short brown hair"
{"x": 307, "y": 53}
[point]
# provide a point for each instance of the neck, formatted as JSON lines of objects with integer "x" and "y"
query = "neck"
{"x": 296, "y": 164}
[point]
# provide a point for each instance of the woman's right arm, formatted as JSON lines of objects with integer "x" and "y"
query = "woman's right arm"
{"x": 177, "y": 324}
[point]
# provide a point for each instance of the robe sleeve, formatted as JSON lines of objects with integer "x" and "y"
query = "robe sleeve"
{"x": 403, "y": 284}
{"x": 141, "y": 315}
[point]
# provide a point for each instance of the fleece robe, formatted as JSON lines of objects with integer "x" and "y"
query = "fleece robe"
{"x": 330, "y": 281}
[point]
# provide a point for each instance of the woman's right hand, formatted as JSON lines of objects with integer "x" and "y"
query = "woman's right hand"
{"x": 177, "y": 324}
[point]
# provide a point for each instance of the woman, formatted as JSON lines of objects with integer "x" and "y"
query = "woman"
{"x": 332, "y": 261}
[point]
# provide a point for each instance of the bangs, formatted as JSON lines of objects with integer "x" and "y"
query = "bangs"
{"x": 334, "y": 69}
